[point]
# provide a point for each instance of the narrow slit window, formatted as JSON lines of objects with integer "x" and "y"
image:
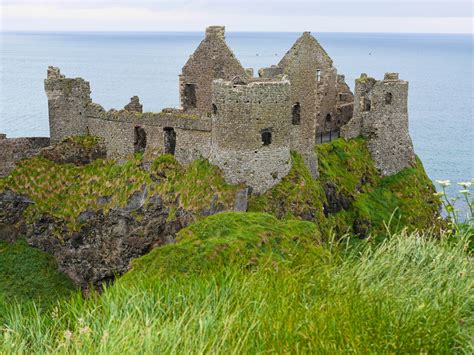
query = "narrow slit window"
{"x": 214, "y": 109}
{"x": 366, "y": 104}
{"x": 318, "y": 75}
{"x": 190, "y": 96}
{"x": 296, "y": 114}
{"x": 388, "y": 98}
{"x": 170, "y": 140}
{"x": 139, "y": 144}
{"x": 266, "y": 137}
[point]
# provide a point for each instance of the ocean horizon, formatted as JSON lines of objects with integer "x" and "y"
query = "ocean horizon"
{"x": 119, "y": 65}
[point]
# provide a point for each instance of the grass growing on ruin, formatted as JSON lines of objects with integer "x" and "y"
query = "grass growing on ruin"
{"x": 405, "y": 199}
{"x": 28, "y": 274}
{"x": 287, "y": 293}
{"x": 297, "y": 195}
{"x": 65, "y": 190}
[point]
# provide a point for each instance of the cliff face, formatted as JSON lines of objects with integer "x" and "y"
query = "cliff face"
{"x": 95, "y": 217}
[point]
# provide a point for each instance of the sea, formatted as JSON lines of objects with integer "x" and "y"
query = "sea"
{"x": 439, "y": 68}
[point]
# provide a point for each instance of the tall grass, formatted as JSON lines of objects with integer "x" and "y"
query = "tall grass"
{"x": 411, "y": 294}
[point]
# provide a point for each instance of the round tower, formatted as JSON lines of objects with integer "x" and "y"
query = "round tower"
{"x": 251, "y": 128}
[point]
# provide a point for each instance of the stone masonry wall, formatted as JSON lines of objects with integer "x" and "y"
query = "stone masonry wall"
{"x": 212, "y": 60}
{"x": 250, "y": 132}
{"x": 117, "y": 128}
{"x": 344, "y": 102}
{"x": 304, "y": 63}
{"x": 381, "y": 115}
{"x": 67, "y": 103}
{"x": 14, "y": 149}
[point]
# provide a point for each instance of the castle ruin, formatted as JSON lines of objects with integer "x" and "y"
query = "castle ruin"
{"x": 245, "y": 125}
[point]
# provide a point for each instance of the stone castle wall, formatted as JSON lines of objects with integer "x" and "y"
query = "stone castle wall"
{"x": 212, "y": 60}
{"x": 67, "y": 103}
{"x": 245, "y": 125}
{"x": 250, "y": 131}
{"x": 118, "y": 129}
{"x": 381, "y": 115}
{"x": 14, "y": 149}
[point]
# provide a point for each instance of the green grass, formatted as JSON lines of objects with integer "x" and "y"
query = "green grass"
{"x": 410, "y": 294}
{"x": 406, "y": 199}
{"x": 28, "y": 274}
{"x": 65, "y": 190}
{"x": 296, "y": 196}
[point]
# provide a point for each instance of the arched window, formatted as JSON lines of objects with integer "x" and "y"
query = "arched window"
{"x": 388, "y": 98}
{"x": 328, "y": 117}
{"x": 266, "y": 137}
{"x": 296, "y": 114}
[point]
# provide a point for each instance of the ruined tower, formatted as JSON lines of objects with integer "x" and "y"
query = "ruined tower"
{"x": 250, "y": 130}
{"x": 381, "y": 115}
{"x": 67, "y": 103}
{"x": 213, "y": 59}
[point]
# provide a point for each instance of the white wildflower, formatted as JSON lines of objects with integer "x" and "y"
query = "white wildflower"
{"x": 444, "y": 183}
{"x": 466, "y": 185}
{"x": 465, "y": 192}
{"x": 439, "y": 194}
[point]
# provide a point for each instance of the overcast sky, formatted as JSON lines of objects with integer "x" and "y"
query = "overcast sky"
{"x": 429, "y": 16}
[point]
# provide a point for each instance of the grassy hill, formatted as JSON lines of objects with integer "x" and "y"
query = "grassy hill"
{"x": 351, "y": 262}
{"x": 249, "y": 283}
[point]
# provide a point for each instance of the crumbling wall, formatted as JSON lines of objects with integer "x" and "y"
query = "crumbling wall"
{"x": 134, "y": 105}
{"x": 310, "y": 72}
{"x": 344, "y": 102}
{"x": 212, "y": 60}
{"x": 119, "y": 131}
{"x": 250, "y": 131}
{"x": 14, "y": 149}
{"x": 381, "y": 115}
{"x": 67, "y": 104}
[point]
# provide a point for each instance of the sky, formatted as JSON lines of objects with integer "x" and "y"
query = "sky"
{"x": 413, "y": 16}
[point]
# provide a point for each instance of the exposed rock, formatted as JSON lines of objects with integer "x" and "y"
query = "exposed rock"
{"x": 12, "y": 206}
{"x": 361, "y": 227}
{"x": 8, "y": 233}
{"x": 71, "y": 151}
{"x": 106, "y": 243}
{"x": 336, "y": 201}
{"x": 241, "y": 200}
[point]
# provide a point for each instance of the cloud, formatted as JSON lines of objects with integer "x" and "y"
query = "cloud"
{"x": 239, "y": 15}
